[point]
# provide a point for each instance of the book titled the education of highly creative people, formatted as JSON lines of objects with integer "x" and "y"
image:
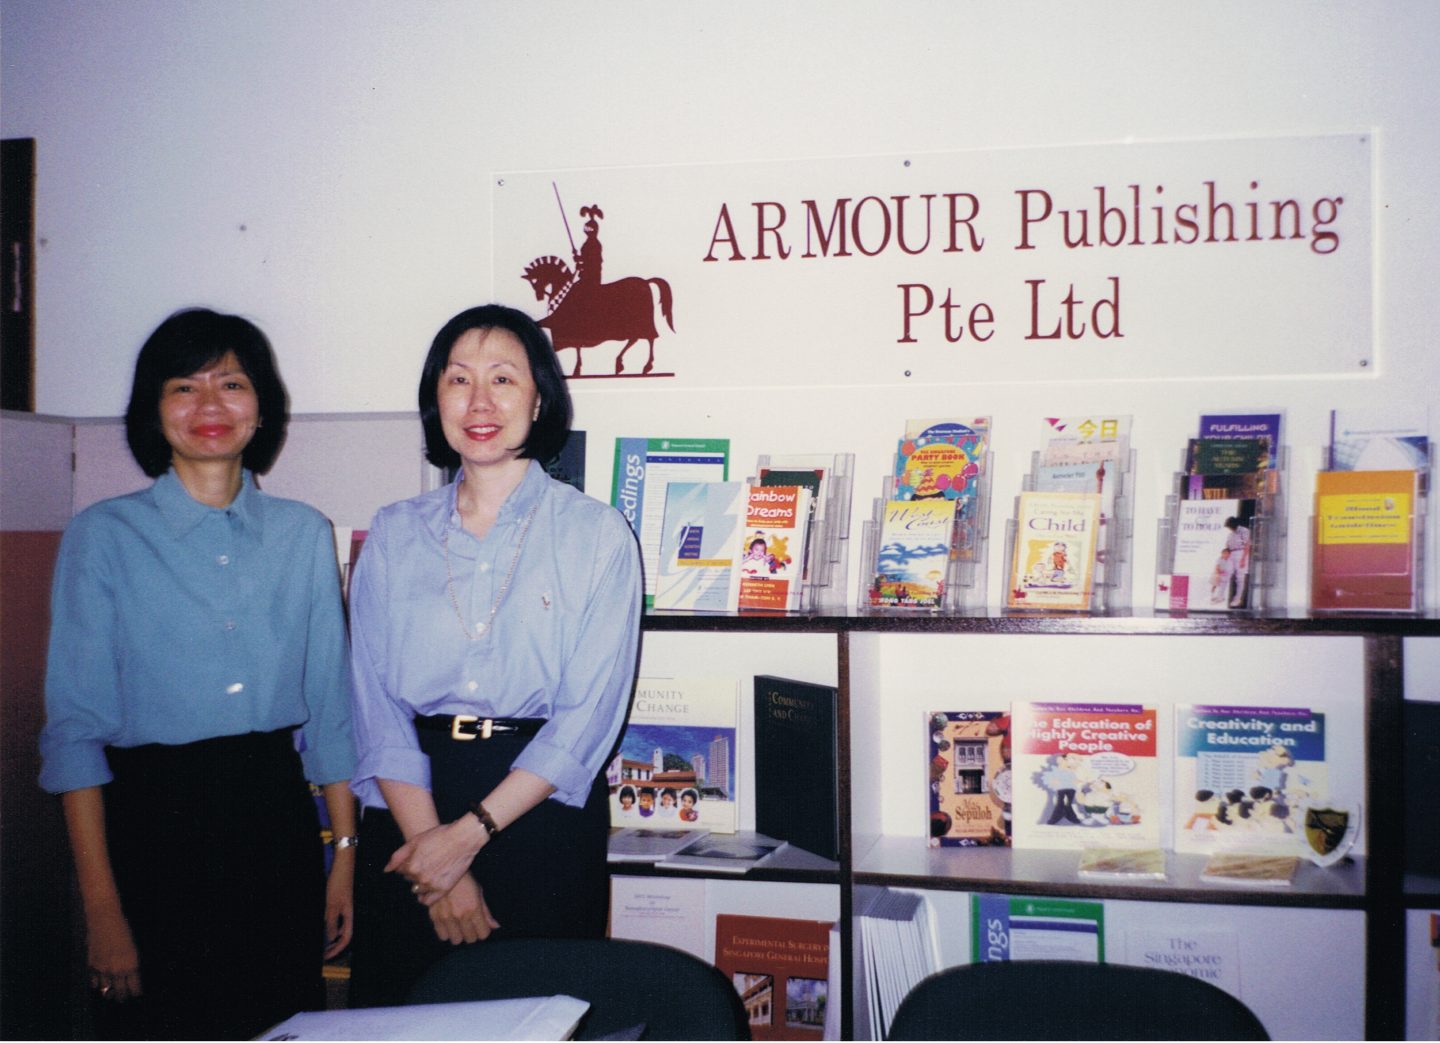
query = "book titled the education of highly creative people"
{"x": 1084, "y": 774}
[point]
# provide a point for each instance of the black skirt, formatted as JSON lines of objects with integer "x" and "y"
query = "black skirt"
{"x": 545, "y": 875}
{"x": 216, "y": 851}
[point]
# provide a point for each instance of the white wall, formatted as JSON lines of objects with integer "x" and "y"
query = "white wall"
{"x": 322, "y": 167}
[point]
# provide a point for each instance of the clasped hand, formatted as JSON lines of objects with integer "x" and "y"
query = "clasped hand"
{"x": 437, "y": 863}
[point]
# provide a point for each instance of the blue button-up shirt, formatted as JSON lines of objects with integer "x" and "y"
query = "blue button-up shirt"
{"x": 173, "y": 622}
{"x": 562, "y": 645}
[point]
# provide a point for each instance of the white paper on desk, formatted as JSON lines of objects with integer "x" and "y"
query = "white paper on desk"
{"x": 533, "y": 1017}
{"x": 654, "y": 909}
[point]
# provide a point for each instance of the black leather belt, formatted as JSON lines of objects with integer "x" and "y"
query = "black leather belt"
{"x": 465, "y": 727}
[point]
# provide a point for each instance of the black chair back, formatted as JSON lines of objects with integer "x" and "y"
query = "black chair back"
{"x": 1052, "y": 999}
{"x": 636, "y": 990}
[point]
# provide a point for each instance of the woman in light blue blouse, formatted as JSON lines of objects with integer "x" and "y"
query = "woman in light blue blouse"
{"x": 197, "y": 643}
{"x": 495, "y": 627}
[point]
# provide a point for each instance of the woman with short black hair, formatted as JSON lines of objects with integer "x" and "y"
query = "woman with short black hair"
{"x": 495, "y": 627}
{"x": 197, "y": 643}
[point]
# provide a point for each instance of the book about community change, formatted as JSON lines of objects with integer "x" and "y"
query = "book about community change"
{"x": 677, "y": 765}
{"x": 1085, "y": 775}
{"x": 1242, "y": 774}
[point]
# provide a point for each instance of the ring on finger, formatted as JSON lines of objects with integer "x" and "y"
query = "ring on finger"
{"x": 414, "y": 889}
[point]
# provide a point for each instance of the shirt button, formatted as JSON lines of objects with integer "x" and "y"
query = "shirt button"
{"x": 224, "y": 559}
{"x": 235, "y": 689}
{"x": 484, "y": 566}
{"x": 472, "y": 686}
{"x": 230, "y": 624}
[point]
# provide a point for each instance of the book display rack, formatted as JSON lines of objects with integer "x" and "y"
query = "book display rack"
{"x": 1367, "y": 538}
{"x": 880, "y": 656}
{"x": 830, "y": 479}
{"x": 1221, "y": 542}
{"x": 926, "y": 543}
{"x": 1068, "y": 546}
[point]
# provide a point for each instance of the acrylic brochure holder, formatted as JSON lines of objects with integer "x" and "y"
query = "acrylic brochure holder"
{"x": 1049, "y": 579}
{"x": 943, "y": 572}
{"x": 1209, "y": 559}
{"x": 827, "y": 549}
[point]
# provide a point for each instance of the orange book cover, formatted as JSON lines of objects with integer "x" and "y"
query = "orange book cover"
{"x": 772, "y": 547}
{"x": 1363, "y": 544}
{"x": 781, "y": 968}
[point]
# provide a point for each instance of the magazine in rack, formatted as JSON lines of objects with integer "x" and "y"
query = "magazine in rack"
{"x": 926, "y": 544}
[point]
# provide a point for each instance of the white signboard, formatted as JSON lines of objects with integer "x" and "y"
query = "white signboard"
{"x": 1224, "y": 259}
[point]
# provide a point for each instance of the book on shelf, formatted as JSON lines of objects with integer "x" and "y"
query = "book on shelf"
{"x": 1010, "y": 927}
{"x": 1210, "y": 570}
{"x": 1117, "y": 863}
{"x": 1053, "y": 560}
{"x": 1245, "y": 425}
{"x": 897, "y": 951}
{"x": 772, "y": 546}
{"x": 1098, "y": 476}
{"x": 946, "y": 460}
{"x": 781, "y": 969}
{"x": 1085, "y": 775}
{"x": 1112, "y": 430}
{"x": 676, "y": 765}
{"x": 737, "y": 852}
{"x": 914, "y": 553}
{"x": 651, "y": 845}
{"x": 643, "y": 468}
{"x": 1249, "y": 869}
{"x": 1242, "y": 774}
{"x": 970, "y": 777}
{"x": 1364, "y": 552}
{"x": 568, "y": 465}
{"x": 1392, "y": 438}
{"x": 699, "y": 542}
{"x": 1227, "y": 456}
{"x": 797, "y": 764}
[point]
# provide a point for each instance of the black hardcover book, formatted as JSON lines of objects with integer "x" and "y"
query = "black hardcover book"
{"x": 796, "y": 786}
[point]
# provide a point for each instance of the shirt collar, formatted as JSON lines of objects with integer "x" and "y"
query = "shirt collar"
{"x": 182, "y": 512}
{"x": 518, "y": 504}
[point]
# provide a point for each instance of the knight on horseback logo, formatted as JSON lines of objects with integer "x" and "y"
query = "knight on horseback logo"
{"x": 583, "y": 311}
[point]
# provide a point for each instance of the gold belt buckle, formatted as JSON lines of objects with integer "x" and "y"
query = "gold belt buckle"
{"x": 459, "y": 721}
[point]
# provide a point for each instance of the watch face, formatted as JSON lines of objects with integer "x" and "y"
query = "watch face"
{"x": 1001, "y": 786}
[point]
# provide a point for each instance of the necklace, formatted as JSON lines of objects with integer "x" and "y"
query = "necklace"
{"x": 482, "y": 628}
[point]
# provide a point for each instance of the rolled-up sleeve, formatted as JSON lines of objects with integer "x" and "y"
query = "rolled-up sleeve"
{"x": 593, "y": 696}
{"x": 82, "y": 676}
{"x": 385, "y": 742}
{"x": 328, "y": 748}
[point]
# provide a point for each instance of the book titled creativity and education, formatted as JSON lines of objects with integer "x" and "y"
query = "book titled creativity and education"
{"x": 781, "y": 969}
{"x": 969, "y": 768}
{"x": 1085, "y": 775}
{"x": 677, "y": 764}
{"x": 1242, "y": 775}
